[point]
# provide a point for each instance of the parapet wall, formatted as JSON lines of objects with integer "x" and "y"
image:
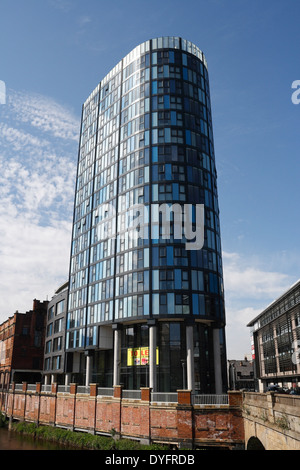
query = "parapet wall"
{"x": 272, "y": 420}
{"x": 179, "y": 423}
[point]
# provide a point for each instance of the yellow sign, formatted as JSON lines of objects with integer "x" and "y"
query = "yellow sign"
{"x": 140, "y": 356}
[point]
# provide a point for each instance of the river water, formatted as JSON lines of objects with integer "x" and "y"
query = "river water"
{"x": 10, "y": 440}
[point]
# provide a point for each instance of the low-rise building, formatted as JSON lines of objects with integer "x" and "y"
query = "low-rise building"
{"x": 240, "y": 374}
{"x": 22, "y": 345}
{"x": 54, "y": 360}
{"x": 276, "y": 342}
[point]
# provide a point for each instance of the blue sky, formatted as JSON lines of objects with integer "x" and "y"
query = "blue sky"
{"x": 53, "y": 54}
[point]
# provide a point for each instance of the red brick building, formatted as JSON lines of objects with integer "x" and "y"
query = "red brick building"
{"x": 22, "y": 339}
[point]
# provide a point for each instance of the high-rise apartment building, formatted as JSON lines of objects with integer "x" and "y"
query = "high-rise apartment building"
{"x": 146, "y": 303}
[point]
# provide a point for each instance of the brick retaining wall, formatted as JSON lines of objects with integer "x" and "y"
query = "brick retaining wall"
{"x": 180, "y": 424}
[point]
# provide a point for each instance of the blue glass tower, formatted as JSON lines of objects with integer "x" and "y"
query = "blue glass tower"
{"x": 147, "y": 311}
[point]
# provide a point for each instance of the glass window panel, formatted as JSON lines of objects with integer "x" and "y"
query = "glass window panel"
{"x": 155, "y": 304}
{"x": 171, "y": 304}
{"x": 146, "y": 304}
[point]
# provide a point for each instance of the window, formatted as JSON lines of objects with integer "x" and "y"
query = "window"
{"x": 58, "y": 326}
{"x": 56, "y": 362}
{"x": 57, "y": 344}
{"x": 48, "y": 347}
{"x": 166, "y": 279}
{"x": 49, "y": 329}
{"x": 38, "y": 339}
{"x": 140, "y": 305}
{"x": 60, "y": 307}
{"x": 50, "y": 313}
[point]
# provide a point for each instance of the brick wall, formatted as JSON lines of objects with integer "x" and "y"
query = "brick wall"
{"x": 272, "y": 419}
{"x": 177, "y": 423}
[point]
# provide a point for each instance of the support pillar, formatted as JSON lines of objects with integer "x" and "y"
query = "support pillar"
{"x": 117, "y": 355}
{"x": 296, "y": 345}
{"x": 190, "y": 367}
{"x": 152, "y": 355}
{"x": 88, "y": 369}
{"x": 67, "y": 379}
{"x": 217, "y": 362}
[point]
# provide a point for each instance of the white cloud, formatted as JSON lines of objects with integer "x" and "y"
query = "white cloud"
{"x": 38, "y": 157}
{"x": 64, "y": 5}
{"x": 84, "y": 20}
{"x": 249, "y": 289}
{"x": 242, "y": 278}
{"x": 34, "y": 261}
{"x": 44, "y": 114}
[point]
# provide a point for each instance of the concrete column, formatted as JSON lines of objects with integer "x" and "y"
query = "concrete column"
{"x": 190, "y": 368}
{"x": 117, "y": 356}
{"x": 152, "y": 357}
{"x": 67, "y": 379}
{"x": 296, "y": 345}
{"x": 276, "y": 350}
{"x": 88, "y": 370}
{"x": 217, "y": 362}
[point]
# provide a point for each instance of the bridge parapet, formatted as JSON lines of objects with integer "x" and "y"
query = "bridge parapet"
{"x": 273, "y": 419}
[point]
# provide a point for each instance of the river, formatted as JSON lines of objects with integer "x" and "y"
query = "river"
{"x": 10, "y": 440}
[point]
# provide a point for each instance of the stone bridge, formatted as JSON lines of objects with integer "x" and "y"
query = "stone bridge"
{"x": 271, "y": 421}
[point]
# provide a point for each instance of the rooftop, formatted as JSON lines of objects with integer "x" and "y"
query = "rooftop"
{"x": 280, "y": 305}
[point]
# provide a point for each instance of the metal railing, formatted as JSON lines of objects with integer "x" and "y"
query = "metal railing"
{"x": 156, "y": 397}
{"x": 131, "y": 394}
{"x": 83, "y": 389}
{"x": 160, "y": 397}
{"x": 210, "y": 400}
{"x": 63, "y": 388}
{"x": 105, "y": 392}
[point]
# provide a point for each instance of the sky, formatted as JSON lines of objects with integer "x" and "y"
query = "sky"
{"x": 53, "y": 53}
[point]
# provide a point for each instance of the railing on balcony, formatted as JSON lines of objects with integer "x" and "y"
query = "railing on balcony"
{"x": 83, "y": 389}
{"x": 63, "y": 388}
{"x": 160, "y": 397}
{"x": 131, "y": 394}
{"x": 210, "y": 400}
{"x": 156, "y": 397}
{"x": 105, "y": 392}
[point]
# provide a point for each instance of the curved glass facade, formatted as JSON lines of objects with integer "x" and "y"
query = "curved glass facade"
{"x": 147, "y": 143}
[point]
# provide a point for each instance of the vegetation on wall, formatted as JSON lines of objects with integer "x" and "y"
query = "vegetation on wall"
{"x": 2, "y": 420}
{"x": 80, "y": 439}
